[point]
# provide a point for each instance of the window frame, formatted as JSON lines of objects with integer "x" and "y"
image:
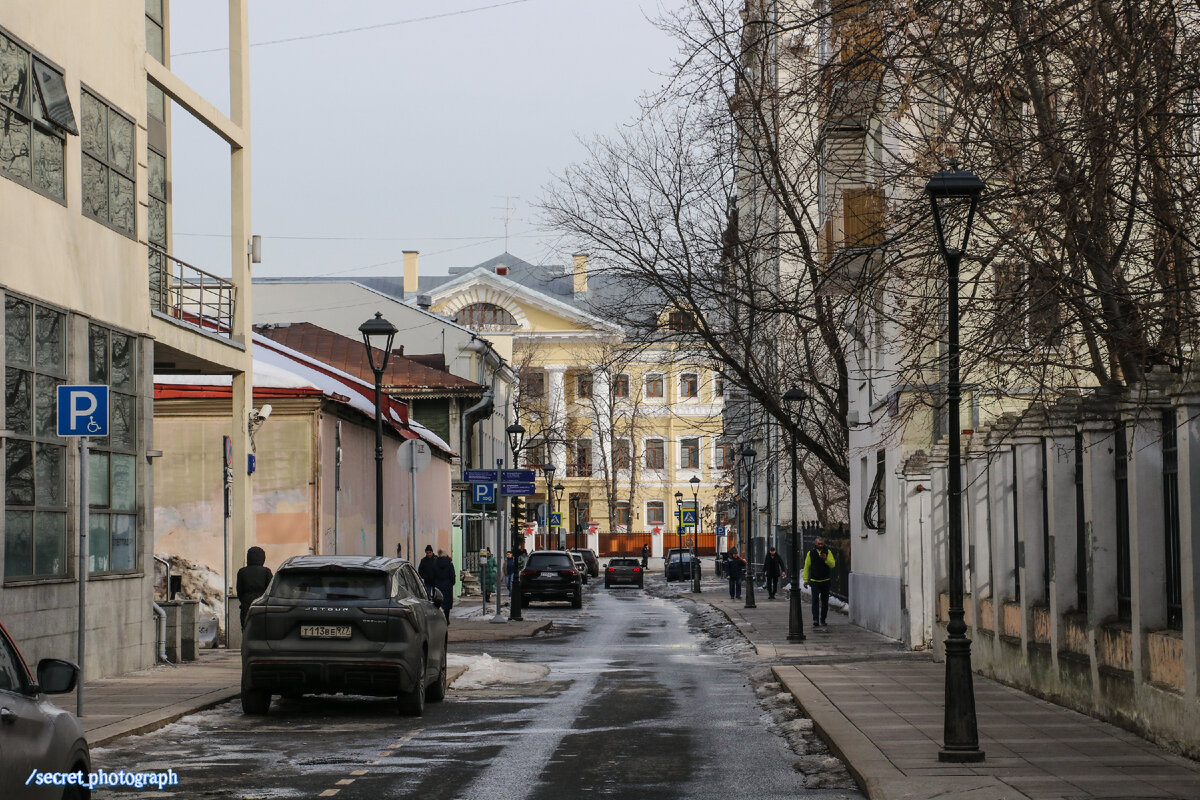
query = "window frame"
{"x": 662, "y": 513}
{"x": 622, "y": 454}
{"x": 689, "y": 385}
{"x": 652, "y": 446}
{"x": 654, "y": 379}
{"x": 620, "y": 385}
{"x": 689, "y": 453}
{"x": 585, "y": 386}
{"x": 37, "y": 122}
{"x": 108, "y": 164}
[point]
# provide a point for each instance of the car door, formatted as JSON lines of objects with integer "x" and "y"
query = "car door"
{"x": 26, "y": 731}
{"x": 432, "y": 617}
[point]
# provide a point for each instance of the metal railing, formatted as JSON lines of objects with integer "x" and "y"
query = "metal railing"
{"x": 189, "y": 294}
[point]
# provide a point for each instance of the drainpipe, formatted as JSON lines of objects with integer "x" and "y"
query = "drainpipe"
{"x": 162, "y": 630}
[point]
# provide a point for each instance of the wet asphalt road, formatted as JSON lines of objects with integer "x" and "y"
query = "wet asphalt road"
{"x": 637, "y": 703}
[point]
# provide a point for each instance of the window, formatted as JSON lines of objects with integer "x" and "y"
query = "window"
{"x": 689, "y": 385}
{"x": 35, "y": 117}
{"x": 655, "y": 454}
{"x": 719, "y": 386}
{"x": 108, "y": 164}
{"x": 621, "y": 516}
{"x": 485, "y": 316}
{"x": 584, "y": 386}
{"x": 533, "y": 382}
{"x": 1026, "y": 306}
{"x": 621, "y": 456}
{"x": 581, "y": 465}
{"x": 689, "y": 454}
{"x": 535, "y": 454}
{"x": 725, "y": 456}
{"x": 655, "y": 513}
{"x": 154, "y": 29}
{"x": 112, "y": 462}
{"x": 35, "y": 459}
{"x": 620, "y": 386}
{"x": 156, "y": 234}
{"x": 681, "y": 321}
{"x": 654, "y": 386}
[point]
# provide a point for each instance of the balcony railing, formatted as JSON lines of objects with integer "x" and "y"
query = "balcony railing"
{"x": 189, "y": 294}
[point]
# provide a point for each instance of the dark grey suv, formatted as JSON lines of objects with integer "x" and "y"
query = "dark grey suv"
{"x": 551, "y": 575}
{"x": 345, "y": 624}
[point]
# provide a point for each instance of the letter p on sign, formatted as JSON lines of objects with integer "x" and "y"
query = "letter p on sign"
{"x": 83, "y": 411}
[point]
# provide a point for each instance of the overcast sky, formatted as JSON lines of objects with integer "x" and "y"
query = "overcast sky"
{"x": 411, "y": 136}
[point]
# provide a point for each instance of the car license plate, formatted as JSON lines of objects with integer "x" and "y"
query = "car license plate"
{"x": 324, "y": 631}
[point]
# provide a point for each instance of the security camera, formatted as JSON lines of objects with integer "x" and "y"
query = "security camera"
{"x": 264, "y": 412}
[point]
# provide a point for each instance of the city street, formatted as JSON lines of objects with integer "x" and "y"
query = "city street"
{"x": 634, "y": 696}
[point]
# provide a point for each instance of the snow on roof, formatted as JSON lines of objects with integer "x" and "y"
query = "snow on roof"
{"x": 266, "y": 376}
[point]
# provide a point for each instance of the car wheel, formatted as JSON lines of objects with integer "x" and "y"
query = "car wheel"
{"x": 607, "y": 585}
{"x": 77, "y": 792}
{"x": 436, "y": 692}
{"x": 577, "y": 600}
{"x": 255, "y": 701}
{"x": 412, "y": 704}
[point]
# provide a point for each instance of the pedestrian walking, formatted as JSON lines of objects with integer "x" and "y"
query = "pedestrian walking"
{"x": 444, "y": 579}
{"x": 645, "y": 555}
{"x": 425, "y": 569}
{"x": 489, "y": 574}
{"x": 510, "y": 567}
{"x": 818, "y": 569}
{"x": 775, "y": 569}
{"x": 252, "y": 580}
{"x": 735, "y": 567}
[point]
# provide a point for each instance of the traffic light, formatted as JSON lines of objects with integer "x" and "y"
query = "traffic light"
{"x": 517, "y": 515}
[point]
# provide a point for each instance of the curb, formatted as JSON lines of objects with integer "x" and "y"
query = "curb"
{"x": 153, "y": 720}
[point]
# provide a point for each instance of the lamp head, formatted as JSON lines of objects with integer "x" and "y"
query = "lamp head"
{"x": 953, "y": 196}
{"x": 695, "y": 482}
{"x": 377, "y": 334}
{"x": 558, "y": 492}
{"x": 516, "y": 436}
{"x": 748, "y": 456}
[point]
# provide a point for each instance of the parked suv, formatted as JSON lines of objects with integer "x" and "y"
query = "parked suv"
{"x": 345, "y": 625}
{"x": 589, "y": 558}
{"x": 678, "y": 564}
{"x": 34, "y": 732}
{"x": 551, "y": 575}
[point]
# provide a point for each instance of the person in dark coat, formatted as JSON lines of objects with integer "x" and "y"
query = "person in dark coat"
{"x": 425, "y": 568}
{"x": 774, "y": 568}
{"x": 735, "y": 568}
{"x": 818, "y": 571}
{"x": 509, "y": 568}
{"x": 645, "y": 555}
{"x": 252, "y": 580}
{"x": 443, "y": 580}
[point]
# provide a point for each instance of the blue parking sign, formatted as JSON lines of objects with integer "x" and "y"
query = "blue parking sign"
{"x": 483, "y": 493}
{"x": 83, "y": 411}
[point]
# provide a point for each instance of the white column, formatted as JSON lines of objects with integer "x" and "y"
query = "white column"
{"x": 1031, "y": 565}
{"x": 937, "y": 575}
{"x": 1147, "y": 533}
{"x": 557, "y": 403}
{"x": 602, "y": 423}
{"x": 1059, "y": 449}
{"x": 1187, "y": 417}
{"x": 976, "y": 544}
{"x": 1100, "y": 514}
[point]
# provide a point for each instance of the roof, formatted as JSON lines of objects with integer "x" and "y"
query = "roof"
{"x": 404, "y": 376}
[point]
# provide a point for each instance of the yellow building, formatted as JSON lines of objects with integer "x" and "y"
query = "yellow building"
{"x": 629, "y": 427}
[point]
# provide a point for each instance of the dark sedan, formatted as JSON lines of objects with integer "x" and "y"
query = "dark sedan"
{"x": 345, "y": 624}
{"x": 624, "y": 572}
{"x": 679, "y": 566}
{"x": 589, "y": 558}
{"x": 551, "y": 575}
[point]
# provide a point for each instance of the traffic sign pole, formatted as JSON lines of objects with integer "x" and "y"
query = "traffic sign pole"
{"x": 84, "y": 521}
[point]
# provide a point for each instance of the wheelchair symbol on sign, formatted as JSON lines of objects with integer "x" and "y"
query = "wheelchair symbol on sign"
{"x": 93, "y": 426}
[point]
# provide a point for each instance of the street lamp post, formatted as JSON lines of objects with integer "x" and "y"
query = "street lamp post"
{"x": 953, "y": 196}
{"x": 516, "y": 439}
{"x": 695, "y": 482}
{"x": 748, "y": 456}
{"x": 562, "y": 536}
{"x": 548, "y": 472}
{"x": 679, "y": 529}
{"x": 795, "y": 601}
{"x": 378, "y": 333}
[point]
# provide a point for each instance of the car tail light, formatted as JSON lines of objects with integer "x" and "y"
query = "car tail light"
{"x": 568, "y": 573}
{"x": 637, "y": 569}
{"x": 529, "y": 572}
{"x": 612, "y": 569}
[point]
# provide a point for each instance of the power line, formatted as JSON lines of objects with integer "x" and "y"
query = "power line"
{"x": 358, "y": 29}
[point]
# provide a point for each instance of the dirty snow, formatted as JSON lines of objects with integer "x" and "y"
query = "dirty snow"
{"x": 484, "y": 670}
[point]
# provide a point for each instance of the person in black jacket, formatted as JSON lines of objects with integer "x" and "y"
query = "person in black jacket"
{"x": 818, "y": 570}
{"x": 425, "y": 568}
{"x": 735, "y": 567}
{"x": 443, "y": 580}
{"x": 252, "y": 580}
{"x": 775, "y": 570}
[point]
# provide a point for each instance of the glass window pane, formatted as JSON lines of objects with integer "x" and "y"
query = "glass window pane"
{"x": 48, "y": 154}
{"x": 120, "y": 142}
{"x": 14, "y": 144}
{"x": 156, "y": 102}
{"x": 18, "y": 473}
{"x": 46, "y": 406}
{"x": 157, "y": 217}
{"x": 18, "y": 543}
{"x": 156, "y": 169}
{"x": 121, "y": 202}
{"x": 18, "y": 411}
{"x": 124, "y": 544}
{"x": 97, "y": 354}
{"x": 50, "y": 338}
{"x": 124, "y": 483}
{"x": 122, "y": 361}
{"x": 94, "y": 184}
{"x": 51, "y": 471}
{"x": 14, "y": 73}
{"x": 94, "y": 118}
{"x": 154, "y": 39}
{"x": 122, "y": 418}
{"x": 98, "y": 544}
{"x": 49, "y": 543}
{"x": 154, "y": 9}
{"x": 18, "y": 345}
{"x": 53, "y": 99}
{"x": 98, "y": 481}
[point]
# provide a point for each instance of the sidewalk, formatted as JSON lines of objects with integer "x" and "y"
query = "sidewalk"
{"x": 880, "y": 709}
{"x": 148, "y": 699}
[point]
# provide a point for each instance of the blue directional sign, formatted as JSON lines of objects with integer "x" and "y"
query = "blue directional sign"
{"x": 517, "y": 476}
{"x": 480, "y": 475}
{"x": 483, "y": 493}
{"x": 517, "y": 487}
{"x": 689, "y": 516}
{"x": 83, "y": 411}
{"x": 556, "y": 519}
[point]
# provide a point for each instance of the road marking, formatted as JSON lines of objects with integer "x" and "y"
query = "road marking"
{"x": 345, "y": 781}
{"x": 359, "y": 772}
{"x": 329, "y": 792}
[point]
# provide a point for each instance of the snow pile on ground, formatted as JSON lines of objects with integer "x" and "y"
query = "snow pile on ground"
{"x": 483, "y": 671}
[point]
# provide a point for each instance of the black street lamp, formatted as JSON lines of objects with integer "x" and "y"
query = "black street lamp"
{"x": 695, "y": 482}
{"x": 953, "y": 196}
{"x": 748, "y": 456}
{"x": 516, "y": 439}
{"x": 679, "y": 529}
{"x": 378, "y": 333}
{"x": 795, "y": 396}
{"x": 548, "y": 472}
{"x": 558, "y": 493}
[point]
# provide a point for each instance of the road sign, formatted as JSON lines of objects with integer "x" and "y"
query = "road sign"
{"x": 689, "y": 516}
{"x": 517, "y": 475}
{"x": 480, "y": 475}
{"x": 517, "y": 488}
{"x": 483, "y": 493}
{"x": 414, "y": 455}
{"x": 720, "y": 530}
{"x": 83, "y": 411}
{"x": 555, "y": 519}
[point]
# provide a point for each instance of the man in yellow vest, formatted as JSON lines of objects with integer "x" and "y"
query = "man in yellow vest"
{"x": 818, "y": 569}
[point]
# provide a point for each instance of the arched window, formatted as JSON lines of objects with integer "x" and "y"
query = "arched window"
{"x": 485, "y": 316}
